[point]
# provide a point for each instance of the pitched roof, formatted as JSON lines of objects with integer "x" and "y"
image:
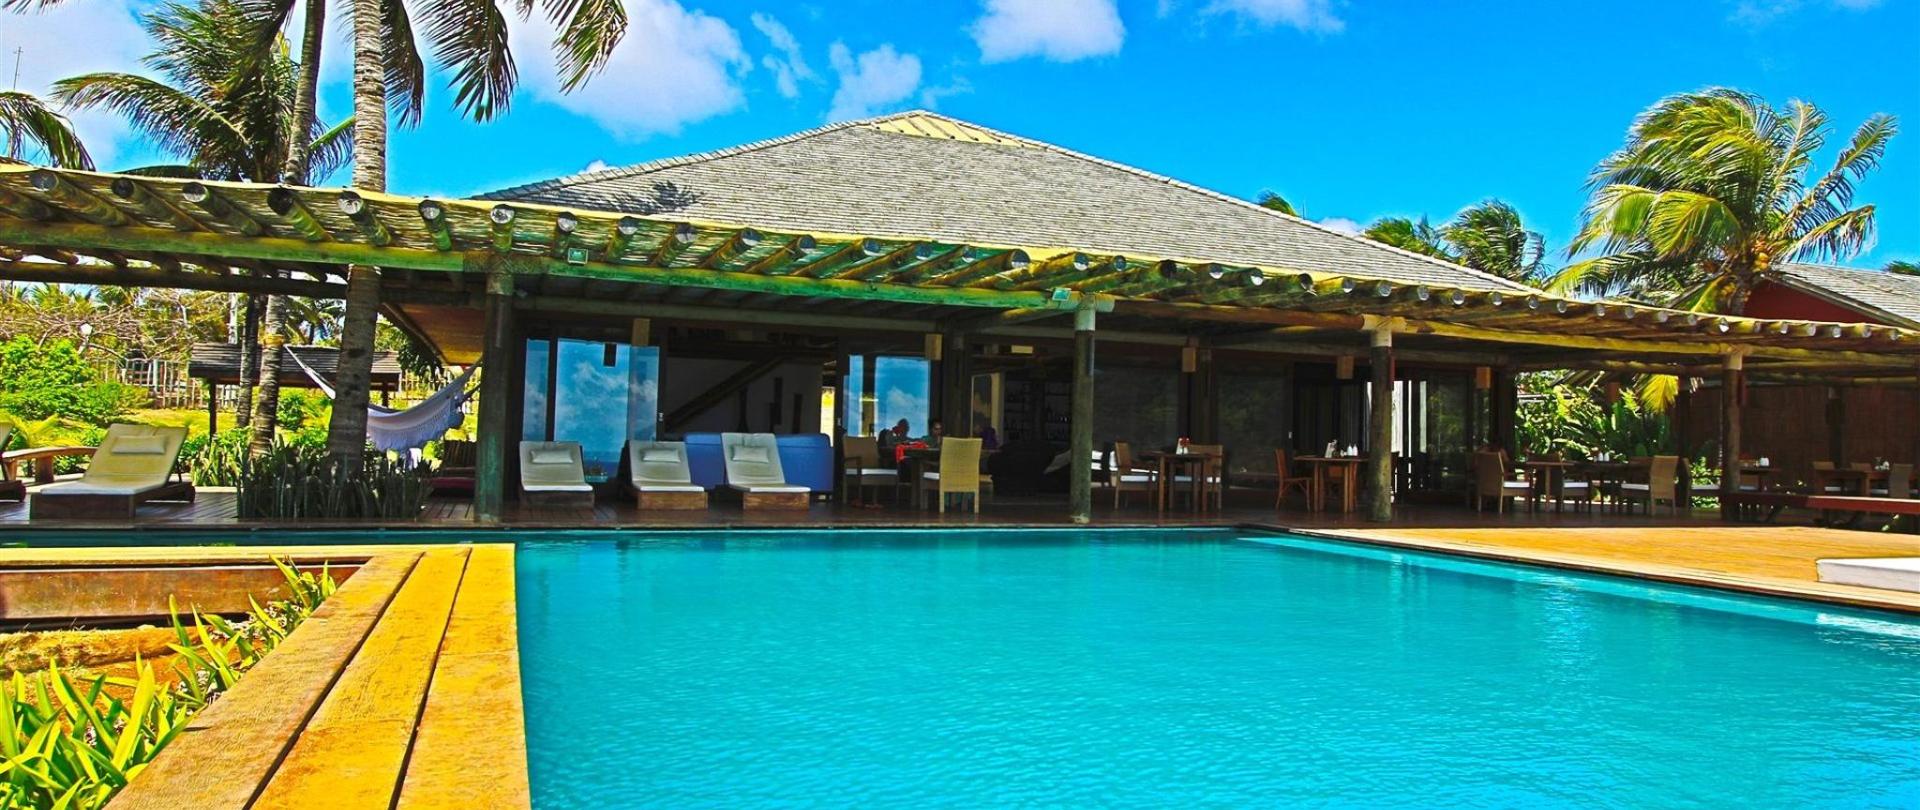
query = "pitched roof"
{"x": 923, "y": 175}
{"x": 1892, "y": 296}
{"x": 220, "y": 362}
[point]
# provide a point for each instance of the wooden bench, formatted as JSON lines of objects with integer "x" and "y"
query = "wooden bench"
{"x": 1740, "y": 505}
{"x": 1853, "y": 506}
{"x": 42, "y": 459}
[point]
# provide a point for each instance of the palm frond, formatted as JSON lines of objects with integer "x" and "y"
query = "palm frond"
{"x": 331, "y": 151}
{"x": 406, "y": 73}
{"x": 587, "y": 31}
{"x": 1833, "y": 192}
{"x": 1270, "y": 200}
{"x": 1841, "y": 237}
{"x": 26, "y": 117}
{"x": 174, "y": 170}
{"x": 470, "y": 39}
{"x": 178, "y": 122}
{"x": 1409, "y": 235}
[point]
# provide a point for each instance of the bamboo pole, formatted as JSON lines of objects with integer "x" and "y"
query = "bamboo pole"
{"x": 202, "y": 195}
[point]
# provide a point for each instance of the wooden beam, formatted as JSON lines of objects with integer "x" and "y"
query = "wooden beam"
{"x": 500, "y": 222}
{"x": 565, "y": 224}
{"x": 111, "y": 276}
{"x": 795, "y": 249}
{"x": 356, "y": 209}
{"x": 983, "y": 265}
{"x": 287, "y": 204}
{"x": 1051, "y": 272}
{"x": 433, "y": 216}
{"x": 712, "y": 315}
{"x": 736, "y": 243}
{"x": 76, "y": 199}
{"x": 1242, "y": 315}
{"x": 152, "y": 205}
{"x": 1732, "y": 396}
{"x": 620, "y": 237}
{"x": 220, "y": 209}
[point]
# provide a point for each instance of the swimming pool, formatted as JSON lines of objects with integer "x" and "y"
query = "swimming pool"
{"x": 1188, "y": 668}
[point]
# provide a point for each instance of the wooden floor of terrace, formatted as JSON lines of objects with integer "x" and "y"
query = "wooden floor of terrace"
{"x": 401, "y": 691}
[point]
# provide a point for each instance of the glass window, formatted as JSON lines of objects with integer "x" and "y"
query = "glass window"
{"x": 533, "y": 412}
{"x": 587, "y": 408}
{"x": 856, "y": 395}
{"x": 900, "y": 392}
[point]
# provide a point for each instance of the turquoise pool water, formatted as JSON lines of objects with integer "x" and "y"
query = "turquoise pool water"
{"x": 1183, "y": 669}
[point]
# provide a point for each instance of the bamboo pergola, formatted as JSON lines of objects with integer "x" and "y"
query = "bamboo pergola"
{"x": 443, "y": 260}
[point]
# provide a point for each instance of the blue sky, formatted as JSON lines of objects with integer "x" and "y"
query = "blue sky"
{"x": 1353, "y": 110}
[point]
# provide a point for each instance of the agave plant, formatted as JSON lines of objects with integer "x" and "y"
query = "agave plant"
{"x": 303, "y": 481}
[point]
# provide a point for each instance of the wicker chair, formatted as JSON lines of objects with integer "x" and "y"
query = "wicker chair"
{"x": 959, "y": 472}
{"x": 1662, "y": 484}
{"x": 1490, "y": 481}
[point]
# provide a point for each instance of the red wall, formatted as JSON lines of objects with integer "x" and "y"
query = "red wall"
{"x": 1771, "y": 300}
{"x": 1788, "y": 425}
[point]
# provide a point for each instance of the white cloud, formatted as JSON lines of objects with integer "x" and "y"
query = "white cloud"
{"x": 789, "y": 66}
{"x": 673, "y": 68}
{"x": 73, "y": 38}
{"x": 1342, "y": 224}
{"x": 595, "y": 166}
{"x": 1314, "y": 16}
{"x": 1060, "y": 30}
{"x": 930, "y": 97}
{"x": 1757, "y": 13}
{"x": 873, "y": 80}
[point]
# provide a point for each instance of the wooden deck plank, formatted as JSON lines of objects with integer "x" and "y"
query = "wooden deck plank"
{"x": 352, "y": 752}
{"x": 474, "y": 721}
{"x": 229, "y": 750}
{"x": 1771, "y": 560}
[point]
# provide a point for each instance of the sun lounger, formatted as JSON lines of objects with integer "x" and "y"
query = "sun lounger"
{"x": 753, "y": 469}
{"x": 133, "y": 465}
{"x": 551, "y": 475}
{"x": 11, "y": 488}
{"x": 661, "y": 477}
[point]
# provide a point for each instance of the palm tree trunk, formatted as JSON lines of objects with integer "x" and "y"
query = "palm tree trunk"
{"x": 304, "y": 92}
{"x": 273, "y": 337}
{"x": 347, "y": 432}
{"x": 249, "y": 337}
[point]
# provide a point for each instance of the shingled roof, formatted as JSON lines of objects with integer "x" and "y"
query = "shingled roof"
{"x": 923, "y": 175}
{"x": 1893, "y": 297}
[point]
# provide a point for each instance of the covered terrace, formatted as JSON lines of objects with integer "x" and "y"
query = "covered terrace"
{"x": 1367, "y": 343}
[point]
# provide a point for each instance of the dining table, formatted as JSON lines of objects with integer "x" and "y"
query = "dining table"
{"x": 1851, "y": 480}
{"x": 1168, "y": 465}
{"x": 1345, "y": 469}
{"x": 1541, "y": 473}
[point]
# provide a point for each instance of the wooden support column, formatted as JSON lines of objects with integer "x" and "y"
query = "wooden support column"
{"x": 213, "y": 408}
{"x": 1837, "y": 425}
{"x": 1683, "y": 436}
{"x": 1080, "y": 420}
{"x": 1380, "y": 427}
{"x": 1732, "y": 396}
{"x": 496, "y": 379}
{"x": 1506, "y": 406}
{"x": 956, "y": 382}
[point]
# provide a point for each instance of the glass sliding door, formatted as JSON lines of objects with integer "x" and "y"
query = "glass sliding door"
{"x": 599, "y": 394}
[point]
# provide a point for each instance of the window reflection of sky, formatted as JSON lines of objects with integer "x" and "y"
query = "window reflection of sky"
{"x": 900, "y": 390}
{"x": 588, "y": 402}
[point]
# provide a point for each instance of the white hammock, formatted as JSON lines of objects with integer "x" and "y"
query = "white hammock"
{"x": 427, "y": 420}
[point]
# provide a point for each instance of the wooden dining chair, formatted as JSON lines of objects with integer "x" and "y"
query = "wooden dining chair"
{"x": 1663, "y": 478}
{"x": 1826, "y": 483}
{"x": 1286, "y": 480}
{"x": 1490, "y": 480}
{"x": 1899, "y": 483}
{"x": 1125, "y": 477}
{"x": 1213, "y": 472}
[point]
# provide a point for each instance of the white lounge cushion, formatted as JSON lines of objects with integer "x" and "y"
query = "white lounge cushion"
{"x": 140, "y": 445}
{"x": 557, "y": 487}
{"x": 660, "y": 455}
{"x": 750, "y": 454}
{"x": 552, "y": 455}
{"x": 1136, "y": 478}
{"x": 669, "y": 488}
{"x": 875, "y": 471}
{"x": 1631, "y": 487}
{"x": 95, "y": 488}
{"x": 768, "y": 488}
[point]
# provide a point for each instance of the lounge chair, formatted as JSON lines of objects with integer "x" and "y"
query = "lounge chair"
{"x": 11, "y": 488}
{"x": 661, "y": 477}
{"x": 133, "y": 465}
{"x": 959, "y": 472}
{"x": 551, "y": 475}
{"x": 753, "y": 469}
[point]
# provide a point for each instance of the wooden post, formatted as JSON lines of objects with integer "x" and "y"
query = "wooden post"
{"x": 1732, "y": 396}
{"x": 1837, "y": 425}
{"x": 956, "y": 378}
{"x": 1506, "y": 406}
{"x": 1683, "y": 437}
{"x": 1080, "y": 421}
{"x": 490, "y": 451}
{"x": 1380, "y": 428}
{"x": 213, "y": 408}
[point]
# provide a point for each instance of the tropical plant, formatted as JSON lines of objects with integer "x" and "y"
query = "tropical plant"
{"x": 1488, "y": 236}
{"x": 41, "y": 381}
{"x": 29, "y": 122}
{"x": 1903, "y": 267}
{"x": 70, "y": 742}
{"x": 1711, "y": 190}
{"x": 303, "y": 481}
{"x": 1576, "y": 421}
{"x": 1268, "y": 199}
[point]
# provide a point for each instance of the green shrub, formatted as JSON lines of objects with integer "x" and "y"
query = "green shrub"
{"x": 68, "y": 744}
{"x": 216, "y": 461}
{"x": 39, "y": 381}
{"x": 296, "y": 480}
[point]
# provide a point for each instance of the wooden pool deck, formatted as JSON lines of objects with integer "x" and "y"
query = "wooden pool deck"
{"x": 1769, "y": 560}
{"x": 403, "y": 690}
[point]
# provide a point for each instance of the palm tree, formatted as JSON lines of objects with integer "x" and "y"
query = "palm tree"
{"x": 1712, "y": 189}
{"x": 229, "y": 116}
{"x": 29, "y": 122}
{"x": 1488, "y": 236}
{"x": 1903, "y": 267}
{"x": 470, "y": 42}
{"x": 1268, "y": 199}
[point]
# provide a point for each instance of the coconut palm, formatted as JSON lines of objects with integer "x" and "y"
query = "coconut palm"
{"x": 1903, "y": 267}
{"x": 1711, "y": 190}
{"x": 28, "y": 122}
{"x": 1268, "y": 199}
{"x": 1488, "y": 236}
{"x": 231, "y": 116}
